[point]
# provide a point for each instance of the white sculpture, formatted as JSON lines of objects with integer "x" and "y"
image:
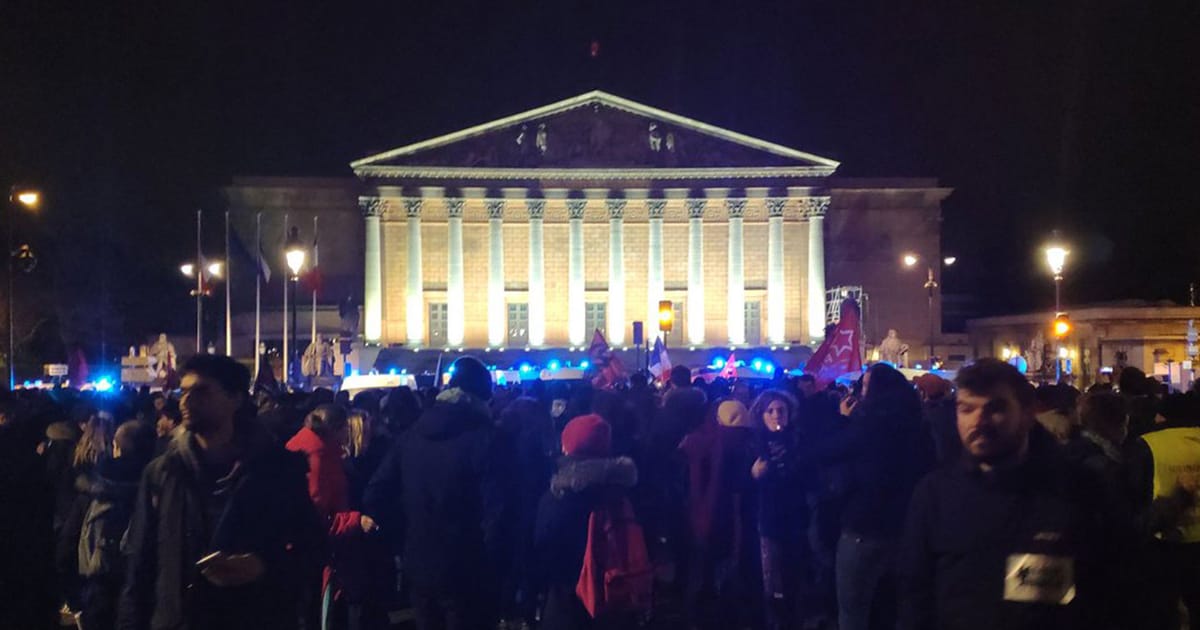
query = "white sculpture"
{"x": 891, "y": 348}
{"x": 318, "y": 358}
{"x": 163, "y": 354}
{"x": 1037, "y": 349}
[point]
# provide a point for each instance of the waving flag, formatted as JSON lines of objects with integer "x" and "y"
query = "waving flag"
{"x": 609, "y": 369}
{"x": 660, "y": 363}
{"x": 259, "y": 261}
{"x": 840, "y": 352}
{"x": 730, "y": 369}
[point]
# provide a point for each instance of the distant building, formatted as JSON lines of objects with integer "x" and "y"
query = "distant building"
{"x": 1148, "y": 336}
{"x": 535, "y": 229}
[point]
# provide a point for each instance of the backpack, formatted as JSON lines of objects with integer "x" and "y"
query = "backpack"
{"x": 617, "y": 575}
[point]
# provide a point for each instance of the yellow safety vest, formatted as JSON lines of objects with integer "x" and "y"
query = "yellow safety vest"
{"x": 1176, "y": 455}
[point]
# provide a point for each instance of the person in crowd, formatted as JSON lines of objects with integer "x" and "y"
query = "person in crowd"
{"x": 223, "y": 531}
{"x": 1140, "y": 404}
{"x": 528, "y": 424}
{"x": 111, "y": 493}
{"x": 1056, "y": 410}
{"x": 1010, "y": 538}
{"x": 938, "y": 416}
{"x": 884, "y": 450}
{"x": 782, "y": 509}
{"x": 450, "y": 474}
{"x": 587, "y": 477}
{"x": 721, "y": 511}
{"x": 94, "y": 443}
{"x": 168, "y": 420}
{"x": 28, "y": 593}
{"x": 1163, "y": 465}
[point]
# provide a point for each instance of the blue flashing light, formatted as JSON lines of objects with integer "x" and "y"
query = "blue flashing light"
{"x": 584, "y": 364}
{"x": 757, "y": 364}
{"x": 353, "y": 372}
{"x": 526, "y": 368}
{"x": 404, "y": 371}
{"x": 917, "y": 366}
{"x": 718, "y": 362}
{"x": 392, "y": 371}
{"x": 553, "y": 365}
{"x": 28, "y": 384}
{"x": 104, "y": 385}
{"x": 451, "y": 370}
{"x": 770, "y": 368}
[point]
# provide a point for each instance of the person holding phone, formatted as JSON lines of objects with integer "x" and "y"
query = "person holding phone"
{"x": 223, "y": 533}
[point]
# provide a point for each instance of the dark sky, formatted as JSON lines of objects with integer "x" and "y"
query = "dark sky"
{"x": 1081, "y": 115}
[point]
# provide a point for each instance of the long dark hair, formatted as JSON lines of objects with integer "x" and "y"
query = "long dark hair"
{"x": 890, "y": 394}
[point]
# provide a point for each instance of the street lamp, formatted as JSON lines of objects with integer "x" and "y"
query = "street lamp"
{"x": 201, "y": 273}
{"x": 28, "y": 199}
{"x": 1056, "y": 257}
{"x": 294, "y": 254}
{"x": 910, "y": 260}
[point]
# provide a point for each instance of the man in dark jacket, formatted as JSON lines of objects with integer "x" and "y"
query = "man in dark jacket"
{"x": 223, "y": 533}
{"x": 450, "y": 474}
{"x": 1009, "y": 538}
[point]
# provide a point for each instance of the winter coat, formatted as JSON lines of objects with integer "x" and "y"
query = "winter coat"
{"x": 561, "y": 531}
{"x": 782, "y": 505}
{"x": 452, "y": 473}
{"x": 112, "y": 493}
{"x": 265, "y": 510}
{"x": 964, "y": 559}
{"x": 718, "y": 460}
{"x": 61, "y": 438}
{"x": 885, "y": 452}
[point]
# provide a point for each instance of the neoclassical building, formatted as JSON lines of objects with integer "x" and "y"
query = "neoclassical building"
{"x": 535, "y": 229}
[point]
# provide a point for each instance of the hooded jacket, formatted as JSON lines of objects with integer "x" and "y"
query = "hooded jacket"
{"x": 561, "y": 531}
{"x": 113, "y": 489}
{"x": 266, "y": 511}
{"x": 453, "y": 473}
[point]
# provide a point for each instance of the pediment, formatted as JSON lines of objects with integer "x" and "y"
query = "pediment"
{"x": 595, "y": 130}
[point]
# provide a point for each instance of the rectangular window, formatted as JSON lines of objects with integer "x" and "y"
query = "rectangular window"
{"x": 438, "y": 323}
{"x": 518, "y": 325}
{"x": 593, "y": 319}
{"x": 753, "y": 323}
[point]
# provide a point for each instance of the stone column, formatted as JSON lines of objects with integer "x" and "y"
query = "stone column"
{"x": 616, "y": 272}
{"x": 576, "y": 335}
{"x": 372, "y": 209}
{"x": 776, "y": 322}
{"x": 497, "y": 313}
{"x": 456, "y": 308}
{"x": 737, "y": 283}
{"x": 814, "y": 210}
{"x": 695, "y": 290}
{"x": 537, "y": 279}
{"x": 414, "y": 298}
{"x": 654, "y": 207}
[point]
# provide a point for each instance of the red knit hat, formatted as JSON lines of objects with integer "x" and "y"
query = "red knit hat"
{"x": 589, "y": 436}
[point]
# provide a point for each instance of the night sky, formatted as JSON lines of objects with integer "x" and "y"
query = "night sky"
{"x": 1078, "y": 115}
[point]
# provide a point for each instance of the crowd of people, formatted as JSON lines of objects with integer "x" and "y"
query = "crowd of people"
{"x": 985, "y": 502}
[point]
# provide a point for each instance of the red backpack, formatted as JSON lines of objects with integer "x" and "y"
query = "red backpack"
{"x": 617, "y": 575}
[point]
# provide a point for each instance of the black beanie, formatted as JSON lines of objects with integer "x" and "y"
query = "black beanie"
{"x": 472, "y": 376}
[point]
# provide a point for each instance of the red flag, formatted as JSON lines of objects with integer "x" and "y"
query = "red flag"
{"x": 730, "y": 369}
{"x": 840, "y": 352}
{"x": 609, "y": 369}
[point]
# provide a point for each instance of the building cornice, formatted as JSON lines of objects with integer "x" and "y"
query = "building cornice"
{"x": 591, "y": 174}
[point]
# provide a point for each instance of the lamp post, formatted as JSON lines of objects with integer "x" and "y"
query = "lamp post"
{"x": 29, "y": 199}
{"x": 294, "y": 254}
{"x": 931, "y": 284}
{"x": 1056, "y": 259}
{"x": 192, "y": 270}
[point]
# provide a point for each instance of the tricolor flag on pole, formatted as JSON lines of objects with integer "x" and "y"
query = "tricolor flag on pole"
{"x": 660, "y": 362}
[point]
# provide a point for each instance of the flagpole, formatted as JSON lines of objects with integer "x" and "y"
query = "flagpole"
{"x": 285, "y": 318}
{"x": 200, "y": 270}
{"x": 316, "y": 261}
{"x": 228, "y": 282}
{"x": 257, "y": 295}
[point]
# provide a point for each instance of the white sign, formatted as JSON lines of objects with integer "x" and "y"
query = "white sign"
{"x": 55, "y": 369}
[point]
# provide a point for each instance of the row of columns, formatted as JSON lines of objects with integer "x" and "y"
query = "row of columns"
{"x": 813, "y": 209}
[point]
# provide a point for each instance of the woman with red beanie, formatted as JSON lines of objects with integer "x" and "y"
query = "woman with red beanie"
{"x": 587, "y": 477}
